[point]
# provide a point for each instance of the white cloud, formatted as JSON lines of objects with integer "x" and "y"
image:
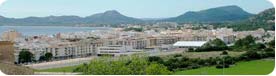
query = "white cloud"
{"x": 2, "y": 1}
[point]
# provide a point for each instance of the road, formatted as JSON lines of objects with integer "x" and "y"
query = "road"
{"x": 78, "y": 61}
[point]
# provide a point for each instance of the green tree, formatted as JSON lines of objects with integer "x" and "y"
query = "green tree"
{"x": 213, "y": 45}
{"x": 25, "y": 56}
{"x": 245, "y": 44}
{"x": 155, "y": 59}
{"x": 48, "y": 56}
{"x": 138, "y": 66}
{"x": 271, "y": 44}
{"x": 42, "y": 58}
{"x": 224, "y": 53}
{"x": 157, "y": 69}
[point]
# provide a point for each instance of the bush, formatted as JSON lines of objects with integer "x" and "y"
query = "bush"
{"x": 224, "y": 53}
{"x": 155, "y": 59}
{"x": 221, "y": 66}
{"x": 177, "y": 55}
{"x": 25, "y": 56}
{"x": 213, "y": 45}
{"x": 123, "y": 66}
{"x": 250, "y": 55}
{"x": 191, "y": 49}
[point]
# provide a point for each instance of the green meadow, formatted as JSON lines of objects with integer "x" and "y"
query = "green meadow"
{"x": 256, "y": 67}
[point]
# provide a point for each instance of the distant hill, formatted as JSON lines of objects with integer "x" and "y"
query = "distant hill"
{"x": 108, "y": 17}
{"x": 213, "y": 15}
{"x": 265, "y": 19}
{"x": 219, "y": 14}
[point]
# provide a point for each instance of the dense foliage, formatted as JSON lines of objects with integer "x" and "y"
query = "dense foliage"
{"x": 46, "y": 57}
{"x": 213, "y": 45}
{"x": 134, "y": 29}
{"x": 245, "y": 44}
{"x": 122, "y": 66}
{"x": 25, "y": 56}
{"x": 265, "y": 20}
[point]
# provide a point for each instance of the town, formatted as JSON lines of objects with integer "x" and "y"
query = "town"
{"x": 128, "y": 37}
{"x": 123, "y": 42}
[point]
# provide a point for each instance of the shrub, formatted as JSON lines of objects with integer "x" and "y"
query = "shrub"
{"x": 155, "y": 59}
{"x": 224, "y": 53}
{"x": 219, "y": 66}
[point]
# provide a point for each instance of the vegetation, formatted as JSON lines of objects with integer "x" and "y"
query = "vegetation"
{"x": 25, "y": 56}
{"x": 46, "y": 57}
{"x": 62, "y": 69}
{"x": 271, "y": 44}
{"x": 134, "y": 29}
{"x": 213, "y": 45}
{"x": 263, "y": 20}
{"x": 241, "y": 68}
{"x": 244, "y": 44}
{"x": 253, "y": 51}
{"x": 123, "y": 66}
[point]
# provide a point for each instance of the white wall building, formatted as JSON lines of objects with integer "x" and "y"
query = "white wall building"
{"x": 115, "y": 50}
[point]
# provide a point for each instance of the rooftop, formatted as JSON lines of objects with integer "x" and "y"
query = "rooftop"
{"x": 190, "y": 43}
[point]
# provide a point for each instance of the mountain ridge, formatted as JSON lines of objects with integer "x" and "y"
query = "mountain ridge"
{"x": 218, "y": 14}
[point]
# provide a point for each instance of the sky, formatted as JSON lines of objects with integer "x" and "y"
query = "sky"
{"x": 131, "y": 8}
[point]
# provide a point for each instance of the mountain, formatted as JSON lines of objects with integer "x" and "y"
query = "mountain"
{"x": 219, "y": 14}
{"x": 213, "y": 15}
{"x": 110, "y": 17}
{"x": 265, "y": 19}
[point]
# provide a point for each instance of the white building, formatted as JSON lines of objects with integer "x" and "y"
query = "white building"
{"x": 189, "y": 44}
{"x": 115, "y": 50}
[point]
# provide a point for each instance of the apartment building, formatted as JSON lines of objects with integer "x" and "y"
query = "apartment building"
{"x": 115, "y": 50}
{"x": 10, "y": 35}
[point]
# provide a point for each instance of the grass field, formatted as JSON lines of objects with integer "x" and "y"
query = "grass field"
{"x": 206, "y": 55}
{"x": 63, "y": 69}
{"x": 257, "y": 67}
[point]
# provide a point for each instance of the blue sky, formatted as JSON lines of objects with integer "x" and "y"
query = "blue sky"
{"x": 132, "y": 8}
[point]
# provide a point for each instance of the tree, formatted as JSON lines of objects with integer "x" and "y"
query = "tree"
{"x": 25, "y": 56}
{"x": 155, "y": 59}
{"x": 259, "y": 46}
{"x": 157, "y": 69}
{"x": 138, "y": 66}
{"x": 213, "y": 45}
{"x": 271, "y": 44}
{"x": 42, "y": 58}
{"x": 250, "y": 55}
{"x": 132, "y": 66}
{"x": 224, "y": 53}
{"x": 245, "y": 44}
{"x": 48, "y": 56}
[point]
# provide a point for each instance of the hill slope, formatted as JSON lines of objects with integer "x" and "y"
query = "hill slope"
{"x": 265, "y": 19}
{"x": 219, "y": 14}
{"x": 108, "y": 17}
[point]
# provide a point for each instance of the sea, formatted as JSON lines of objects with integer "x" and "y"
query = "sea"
{"x": 48, "y": 30}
